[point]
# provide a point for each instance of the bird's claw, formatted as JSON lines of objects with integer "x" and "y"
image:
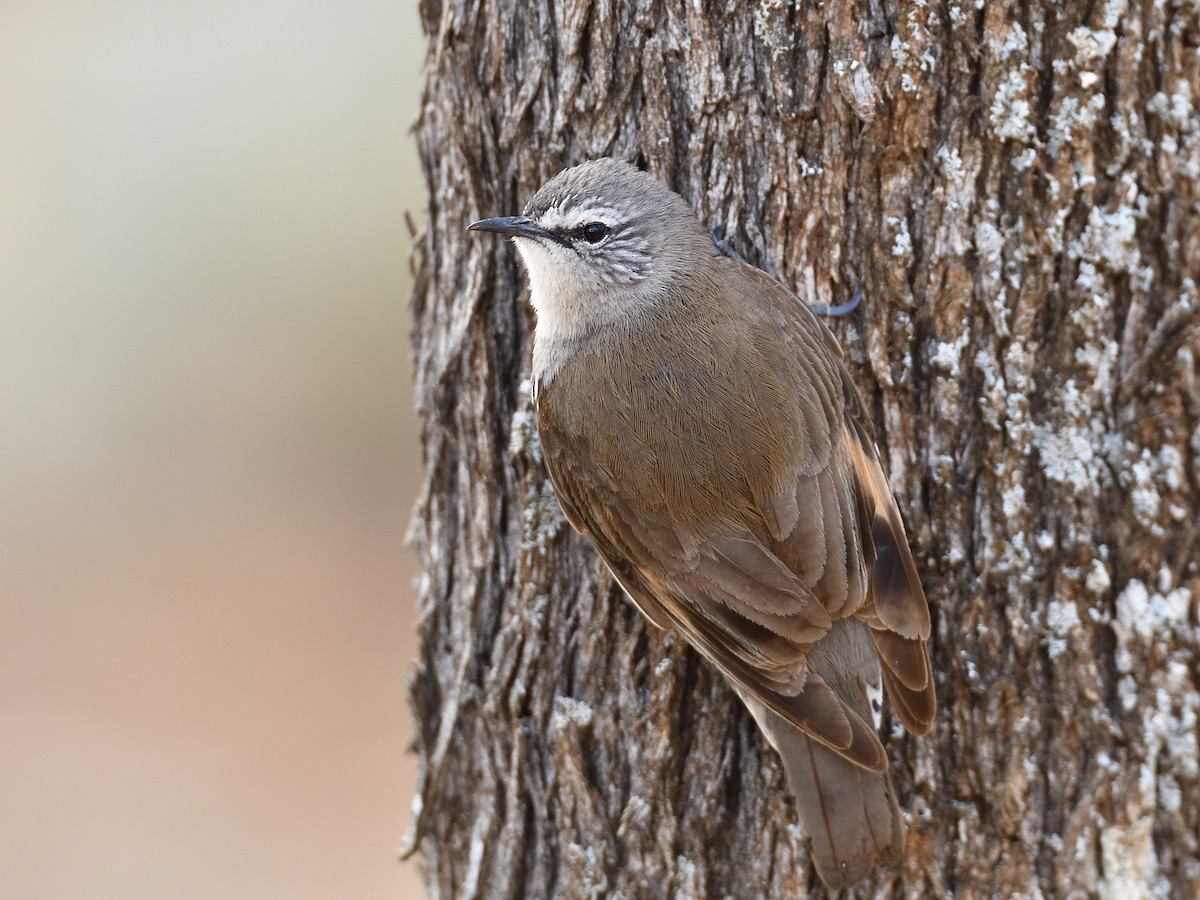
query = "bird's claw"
{"x": 824, "y": 309}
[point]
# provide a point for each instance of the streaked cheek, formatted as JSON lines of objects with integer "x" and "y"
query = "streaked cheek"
{"x": 626, "y": 265}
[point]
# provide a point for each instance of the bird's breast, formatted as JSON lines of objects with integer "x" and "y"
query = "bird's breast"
{"x": 688, "y": 425}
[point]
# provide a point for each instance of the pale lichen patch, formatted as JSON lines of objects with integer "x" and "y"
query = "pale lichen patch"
{"x": 541, "y": 518}
{"x": 1016, "y": 559}
{"x": 1144, "y": 497}
{"x": 1013, "y": 501}
{"x": 1144, "y": 617}
{"x": 994, "y": 392}
{"x": 1098, "y": 580}
{"x": 946, "y": 356}
{"x": 1010, "y": 109}
{"x": 912, "y": 48}
{"x": 902, "y": 244}
{"x": 522, "y": 430}
{"x": 1170, "y": 466}
{"x": 1127, "y": 860}
{"x": 764, "y": 12}
{"x": 1175, "y": 109}
{"x": 1068, "y": 451}
{"x": 1173, "y": 722}
{"x": 1153, "y": 480}
{"x": 1015, "y": 42}
{"x": 1062, "y": 617}
{"x": 1109, "y": 241}
{"x": 950, "y": 162}
{"x": 569, "y": 712}
{"x": 1069, "y": 117}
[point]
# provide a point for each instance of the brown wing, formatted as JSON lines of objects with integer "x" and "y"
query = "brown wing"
{"x": 895, "y": 605}
{"x": 567, "y": 488}
{"x": 738, "y": 604}
{"x": 897, "y": 611}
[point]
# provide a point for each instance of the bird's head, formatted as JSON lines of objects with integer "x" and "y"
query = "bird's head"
{"x": 601, "y": 239}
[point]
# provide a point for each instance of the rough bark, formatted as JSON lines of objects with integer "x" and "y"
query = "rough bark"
{"x": 1016, "y": 186}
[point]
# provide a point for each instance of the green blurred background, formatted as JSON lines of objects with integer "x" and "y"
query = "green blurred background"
{"x": 207, "y": 450}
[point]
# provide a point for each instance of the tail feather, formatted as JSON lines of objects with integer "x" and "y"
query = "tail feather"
{"x": 850, "y": 813}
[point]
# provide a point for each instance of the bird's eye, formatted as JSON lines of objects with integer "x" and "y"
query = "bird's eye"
{"x": 594, "y": 232}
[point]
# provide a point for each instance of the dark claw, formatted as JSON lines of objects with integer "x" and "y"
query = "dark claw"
{"x": 823, "y": 309}
{"x": 723, "y": 246}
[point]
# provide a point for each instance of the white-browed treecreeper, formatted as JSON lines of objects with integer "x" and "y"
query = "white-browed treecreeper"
{"x": 698, "y": 425}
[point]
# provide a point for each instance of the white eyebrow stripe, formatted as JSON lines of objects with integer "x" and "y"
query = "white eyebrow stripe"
{"x": 555, "y": 219}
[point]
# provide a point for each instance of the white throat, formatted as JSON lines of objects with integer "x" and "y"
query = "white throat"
{"x": 571, "y": 302}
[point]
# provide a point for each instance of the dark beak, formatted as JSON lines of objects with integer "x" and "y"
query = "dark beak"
{"x": 514, "y": 226}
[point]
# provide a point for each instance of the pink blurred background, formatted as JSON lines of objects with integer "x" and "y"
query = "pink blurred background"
{"x": 207, "y": 450}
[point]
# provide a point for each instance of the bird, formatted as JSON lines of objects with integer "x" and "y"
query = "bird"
{"x": 698, "y": 424}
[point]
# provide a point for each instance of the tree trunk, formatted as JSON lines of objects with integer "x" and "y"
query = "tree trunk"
{"x": 1015, "y": 186}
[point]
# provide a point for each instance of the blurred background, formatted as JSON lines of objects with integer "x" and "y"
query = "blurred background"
{"x": 207, "y": 450}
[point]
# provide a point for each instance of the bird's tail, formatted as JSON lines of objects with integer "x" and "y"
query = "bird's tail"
{"x": 849, "y": 812}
